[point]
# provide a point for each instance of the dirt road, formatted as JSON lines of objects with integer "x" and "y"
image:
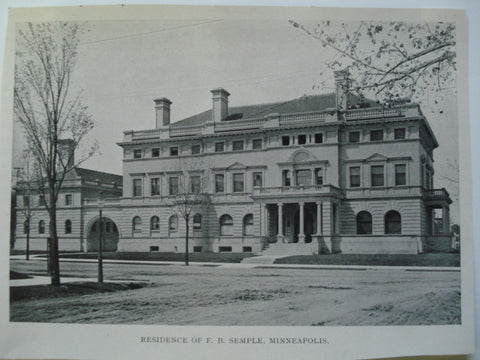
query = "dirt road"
{"x": 219, "y": 296}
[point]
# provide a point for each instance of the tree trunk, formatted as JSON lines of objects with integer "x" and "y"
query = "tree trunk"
{"x": 27, "y": 255}
{"x": 186, "y": 243}
{"x": 55, "y": 267}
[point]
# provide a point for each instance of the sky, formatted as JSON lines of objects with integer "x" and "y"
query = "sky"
{"x": 123, "y": 65}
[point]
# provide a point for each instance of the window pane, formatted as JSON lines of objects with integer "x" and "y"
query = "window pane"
{"x": 364, "y": 223}
{"x": 137, "y": 154}
{"x": 137, "y": 223}
{"x": 238, "y": 145}
{"x": 377, "y": 176}
{"x": 286, "y": 178}
{"x": 318, "y": 176}
{"x": 195, "y": 184}
{"x": 399, "y": 134}
{"x": 219, "y": 147}
{"x": 155, "y": 223}
{"x": 219, "y": 183}
{"x": 248, "y": 225}
{"x": 318, "y": 138}
{"x": 155, "y": 186}
{"x": 257, "y": 179}
{"x": 303, "y": 177}
{"x": 173, "y": 185}
{"x": 355, "y": 176}
{"x": 137, "y": 187}
{"x": 195, "y": 149}
{"x": 238, "y": 183}
{"x": 285, "y": 140}
{"x": 302, "y": 139}
{"x": 226, "y": 225}
{"x": 376, "y": 135}
{"x": 354, "y": 136}
{"x": 393, "y": 222}
{"x": 174, "y": 151}
{"x": 257, "y": 144}
{"x": 197, "y": 221}
{"x": 400, "y": 174}
{"x": 155, "y": 152}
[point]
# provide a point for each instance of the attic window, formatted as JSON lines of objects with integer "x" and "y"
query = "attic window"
{"x": 235, "y": 116}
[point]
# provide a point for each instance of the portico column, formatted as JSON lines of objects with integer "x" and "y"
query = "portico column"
{"x": 301, "y": 234}
{"x": 263, "y": 219}
{"x": 446, "y": 220}
{"x": 280, "y": 236}
{"x": 319, "y": 218}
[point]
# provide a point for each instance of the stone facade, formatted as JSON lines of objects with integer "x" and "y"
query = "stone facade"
{"x": 310, "y": 175}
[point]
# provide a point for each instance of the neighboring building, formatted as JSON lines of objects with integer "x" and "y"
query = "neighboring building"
{"x": 294, "y": 177}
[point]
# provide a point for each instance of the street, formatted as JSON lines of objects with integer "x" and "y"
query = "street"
{"x": 210, "y": 295}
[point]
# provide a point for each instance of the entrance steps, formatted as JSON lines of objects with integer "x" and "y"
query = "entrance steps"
{"x": 288, "y": 249}
{"x": 262, "y": 259}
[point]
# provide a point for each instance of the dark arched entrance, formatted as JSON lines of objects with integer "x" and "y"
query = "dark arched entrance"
{"x": 109, "y": 235}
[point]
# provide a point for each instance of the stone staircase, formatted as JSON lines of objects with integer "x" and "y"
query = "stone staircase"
{"x": 288, "y": 249}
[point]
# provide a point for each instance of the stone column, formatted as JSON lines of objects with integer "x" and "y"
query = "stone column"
{"x": 263, "y": 220}
{"x": 319, "y": 218}
{"x": 301, "y": 234}
{"x": 280, "y": 236}
{"x": 446, "y": 220}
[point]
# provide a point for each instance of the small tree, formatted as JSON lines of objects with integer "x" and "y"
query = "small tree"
{"x": 190, "y": 188}
{"x": 389, "y": 60}
{"x": 45, "y": 58}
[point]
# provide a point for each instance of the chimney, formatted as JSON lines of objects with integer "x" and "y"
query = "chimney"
{"x": 220, "y": 104}
{"x": 342, "y": 82}
{"x": 162, "y": 112}
{"x": 66, "y": 147}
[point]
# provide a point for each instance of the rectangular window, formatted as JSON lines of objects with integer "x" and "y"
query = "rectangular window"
{"x": 219, "y": 183}
{"x": 155, "y": 152}
{"x": 137, "y": 154}
{"x": 355, "y": 176}
{"x": 26, "y": 201}
{"x": 247, "y": 249}
{"x": 238, "y": 185}
{"x": 224, "y": 249}
{"x": 41, "y": 200}
{"x": 354, "y": 136}
{"x": 174, "y": 151}
{"x": 195, "y": 184}
{"x": 319, "y": 176}
{"x": 376, "y": 135}
{"x": 173, "y": 185}
{"x": 257, "y": 179}
{"x": 286, "y": 178}
{"x": 154, "y": 248}
{"x": 68, "y": 199}
{"x": 137, "y": 187}
{"x": 400, "y": 174}
{"x": 195, "y": 149}
{"x": 219, "y": 147}
{"x": 302, "y": 139}
{"x": 318, "y": 138}
{"x": 377, "y": 175}
{"x": 399, "y": 134}
{"x": 257, "y": 144}
{"x": 197, "y": 249}
{"x": 303, "y": 177}
{"x": 238, "y": 145}
{"x": 155, "y": 189}
{"x": 285, "y": 140}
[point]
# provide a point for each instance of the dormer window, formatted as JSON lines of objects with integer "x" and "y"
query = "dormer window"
{"x": 137, "y": 153}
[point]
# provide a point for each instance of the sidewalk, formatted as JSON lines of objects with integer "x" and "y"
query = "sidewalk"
{"x": 257, "y": 264}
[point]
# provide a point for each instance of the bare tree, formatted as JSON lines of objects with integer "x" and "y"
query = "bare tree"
{"x": 189, "y": 186}
{"x": 54, "y": 121}
{"x": 389, "y": 60}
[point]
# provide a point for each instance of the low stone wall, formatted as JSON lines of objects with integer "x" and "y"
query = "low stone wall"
{"x": 377, "y": 244}
{"x": 438, "y": 243}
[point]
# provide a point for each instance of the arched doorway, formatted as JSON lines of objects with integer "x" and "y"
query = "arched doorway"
{"x": 110, "y": 235}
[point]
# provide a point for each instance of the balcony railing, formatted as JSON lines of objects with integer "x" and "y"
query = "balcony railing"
{"x": 298, "y": 190}
{"x": 373, "y": 113}
{"x": 436, "y": 194}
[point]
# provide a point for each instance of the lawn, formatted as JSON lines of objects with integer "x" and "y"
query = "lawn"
{"x": 165, "y": 256}
{"x": 428, "y": 259}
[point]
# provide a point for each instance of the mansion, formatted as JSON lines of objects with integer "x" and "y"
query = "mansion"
{"x": 318, "y": 174}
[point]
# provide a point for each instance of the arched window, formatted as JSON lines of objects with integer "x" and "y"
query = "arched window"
{"x": 26, "y": 227}
{"x": 226, "y": 225}
{"x": 154, "y": 223}
{"x": 137, "y": 224}
{"x": 393, "y": 222}
{"x": 197, "y": 222}
{"x": 248, "y": 225}
{"x": 364, "y": 223}
{"x": 41, "y": 227}
{"x": 172, "y": 225}
{"x": 68, "y": 227}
